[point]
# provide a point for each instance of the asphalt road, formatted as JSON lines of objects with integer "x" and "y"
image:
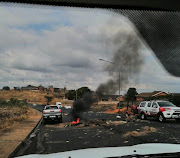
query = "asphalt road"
{"x": 52, "y": 137}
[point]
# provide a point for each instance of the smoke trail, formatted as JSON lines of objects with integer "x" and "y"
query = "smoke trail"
{"x": 127, "y": 57}
{"x": 82, "y": 105}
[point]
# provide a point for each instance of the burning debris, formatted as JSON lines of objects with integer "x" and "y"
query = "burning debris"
{"x": 81, "y": 105}
{"x": 75, "y": 122}
{"x": 126, "y": 47}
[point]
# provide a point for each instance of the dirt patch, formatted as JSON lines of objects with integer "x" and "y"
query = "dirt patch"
{"x": 123, "y": 110}
{"x": 12, "y": 138}
{"x": 9, "y": 116}
{"x": 145, "y": 130}
{"x": 32, "y": 97}
{"x": 102, "y": 107}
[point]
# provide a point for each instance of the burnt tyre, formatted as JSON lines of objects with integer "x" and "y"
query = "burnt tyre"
{"x": 161, "y": 118}
{"x": 143, "y": 116}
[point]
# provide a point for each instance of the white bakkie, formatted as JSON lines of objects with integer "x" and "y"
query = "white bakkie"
{"x": 52, "y": 112}
{"x": 162, "y": 110}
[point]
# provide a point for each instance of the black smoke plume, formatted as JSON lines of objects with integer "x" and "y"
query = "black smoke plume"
{"x": 127, "y": 58}
{"x": 82, "y": 105}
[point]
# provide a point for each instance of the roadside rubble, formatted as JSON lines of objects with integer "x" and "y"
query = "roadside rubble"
{"x": 145, "y": 130}
{"x": 90, "y": 123}
{"x": 120, "y": 119}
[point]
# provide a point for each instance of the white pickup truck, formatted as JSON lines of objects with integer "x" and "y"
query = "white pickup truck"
{"x": 52, "y": 112}
{"x": 159, "y": 109}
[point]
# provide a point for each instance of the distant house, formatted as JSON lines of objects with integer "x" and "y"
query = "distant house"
{"x": 29, "y": 88}
{"x": 144, "y": 95}
{"x": 59, "y": 90}
{"x": 110, "y": 98}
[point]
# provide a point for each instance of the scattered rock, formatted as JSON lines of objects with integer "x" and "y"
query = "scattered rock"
{"x": 32, "y": 135}
{"x": 46, "y": 134}
{"x": 126, "y": 141}
{"x": 138, "y": 129}
{"x": 118, "y": 116}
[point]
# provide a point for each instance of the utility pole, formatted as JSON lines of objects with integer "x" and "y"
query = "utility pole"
{"x": 119, "y": 78}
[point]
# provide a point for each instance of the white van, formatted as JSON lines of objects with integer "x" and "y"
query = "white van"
{"x": 59, "y": 104}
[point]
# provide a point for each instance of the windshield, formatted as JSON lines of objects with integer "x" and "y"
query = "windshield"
{"x": 166, "y": 104}
{"x": 97, "y": 66}
{"x": 51, "y": 107}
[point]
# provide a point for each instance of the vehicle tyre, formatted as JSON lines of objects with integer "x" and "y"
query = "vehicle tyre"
{"x": 44, "y": 121}
{"x": 60, "y": 120}
{"x": 161, "y": 118}
{"x": 143, "y": 116}
{"x": 178, "y": 120}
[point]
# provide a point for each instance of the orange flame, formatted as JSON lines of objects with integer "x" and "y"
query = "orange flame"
{"x": 75, "y": 122}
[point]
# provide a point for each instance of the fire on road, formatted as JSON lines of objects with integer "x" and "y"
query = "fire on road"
{"x": 98, "y": 130}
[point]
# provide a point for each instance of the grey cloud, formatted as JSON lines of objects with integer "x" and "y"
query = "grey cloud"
{"x": 67, "y": 53}
{"x": 38, "y": 69}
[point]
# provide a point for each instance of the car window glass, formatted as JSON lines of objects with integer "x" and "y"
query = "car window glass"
{"x": 166, "y": 104}
{"x": 52, "y": 107}
{"x": 154, "y": 105}
{"x": 149, "y": 105}
{"x": 142, "y": 104}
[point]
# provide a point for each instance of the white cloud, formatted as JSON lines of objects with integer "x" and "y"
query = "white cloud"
{"x": 69, "y": 52}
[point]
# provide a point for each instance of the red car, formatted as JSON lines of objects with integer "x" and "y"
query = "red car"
{"x": 134, "y": 109}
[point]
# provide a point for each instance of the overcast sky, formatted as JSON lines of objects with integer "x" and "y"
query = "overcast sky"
{"x": 55, "y": 45}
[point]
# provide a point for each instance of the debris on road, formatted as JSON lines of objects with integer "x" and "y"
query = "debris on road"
{"x": 89, "y": 123}
{"x": 118, "y": 116}
{"x": 115, "y": 122}
{"x": 32, "y": 135}
{"x": 126, "y": 141}
{"x": 145, "y": 131}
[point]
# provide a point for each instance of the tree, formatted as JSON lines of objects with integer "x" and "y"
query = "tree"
{"x": 48, "y": 99}
{"x": 81, "y": 91}
{"x": 6, "y": 88}
{"x": 71, "y": 95}
{"x": 131, "y": 95}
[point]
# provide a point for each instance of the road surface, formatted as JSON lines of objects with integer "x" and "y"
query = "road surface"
{"x": 52, "y": 137}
